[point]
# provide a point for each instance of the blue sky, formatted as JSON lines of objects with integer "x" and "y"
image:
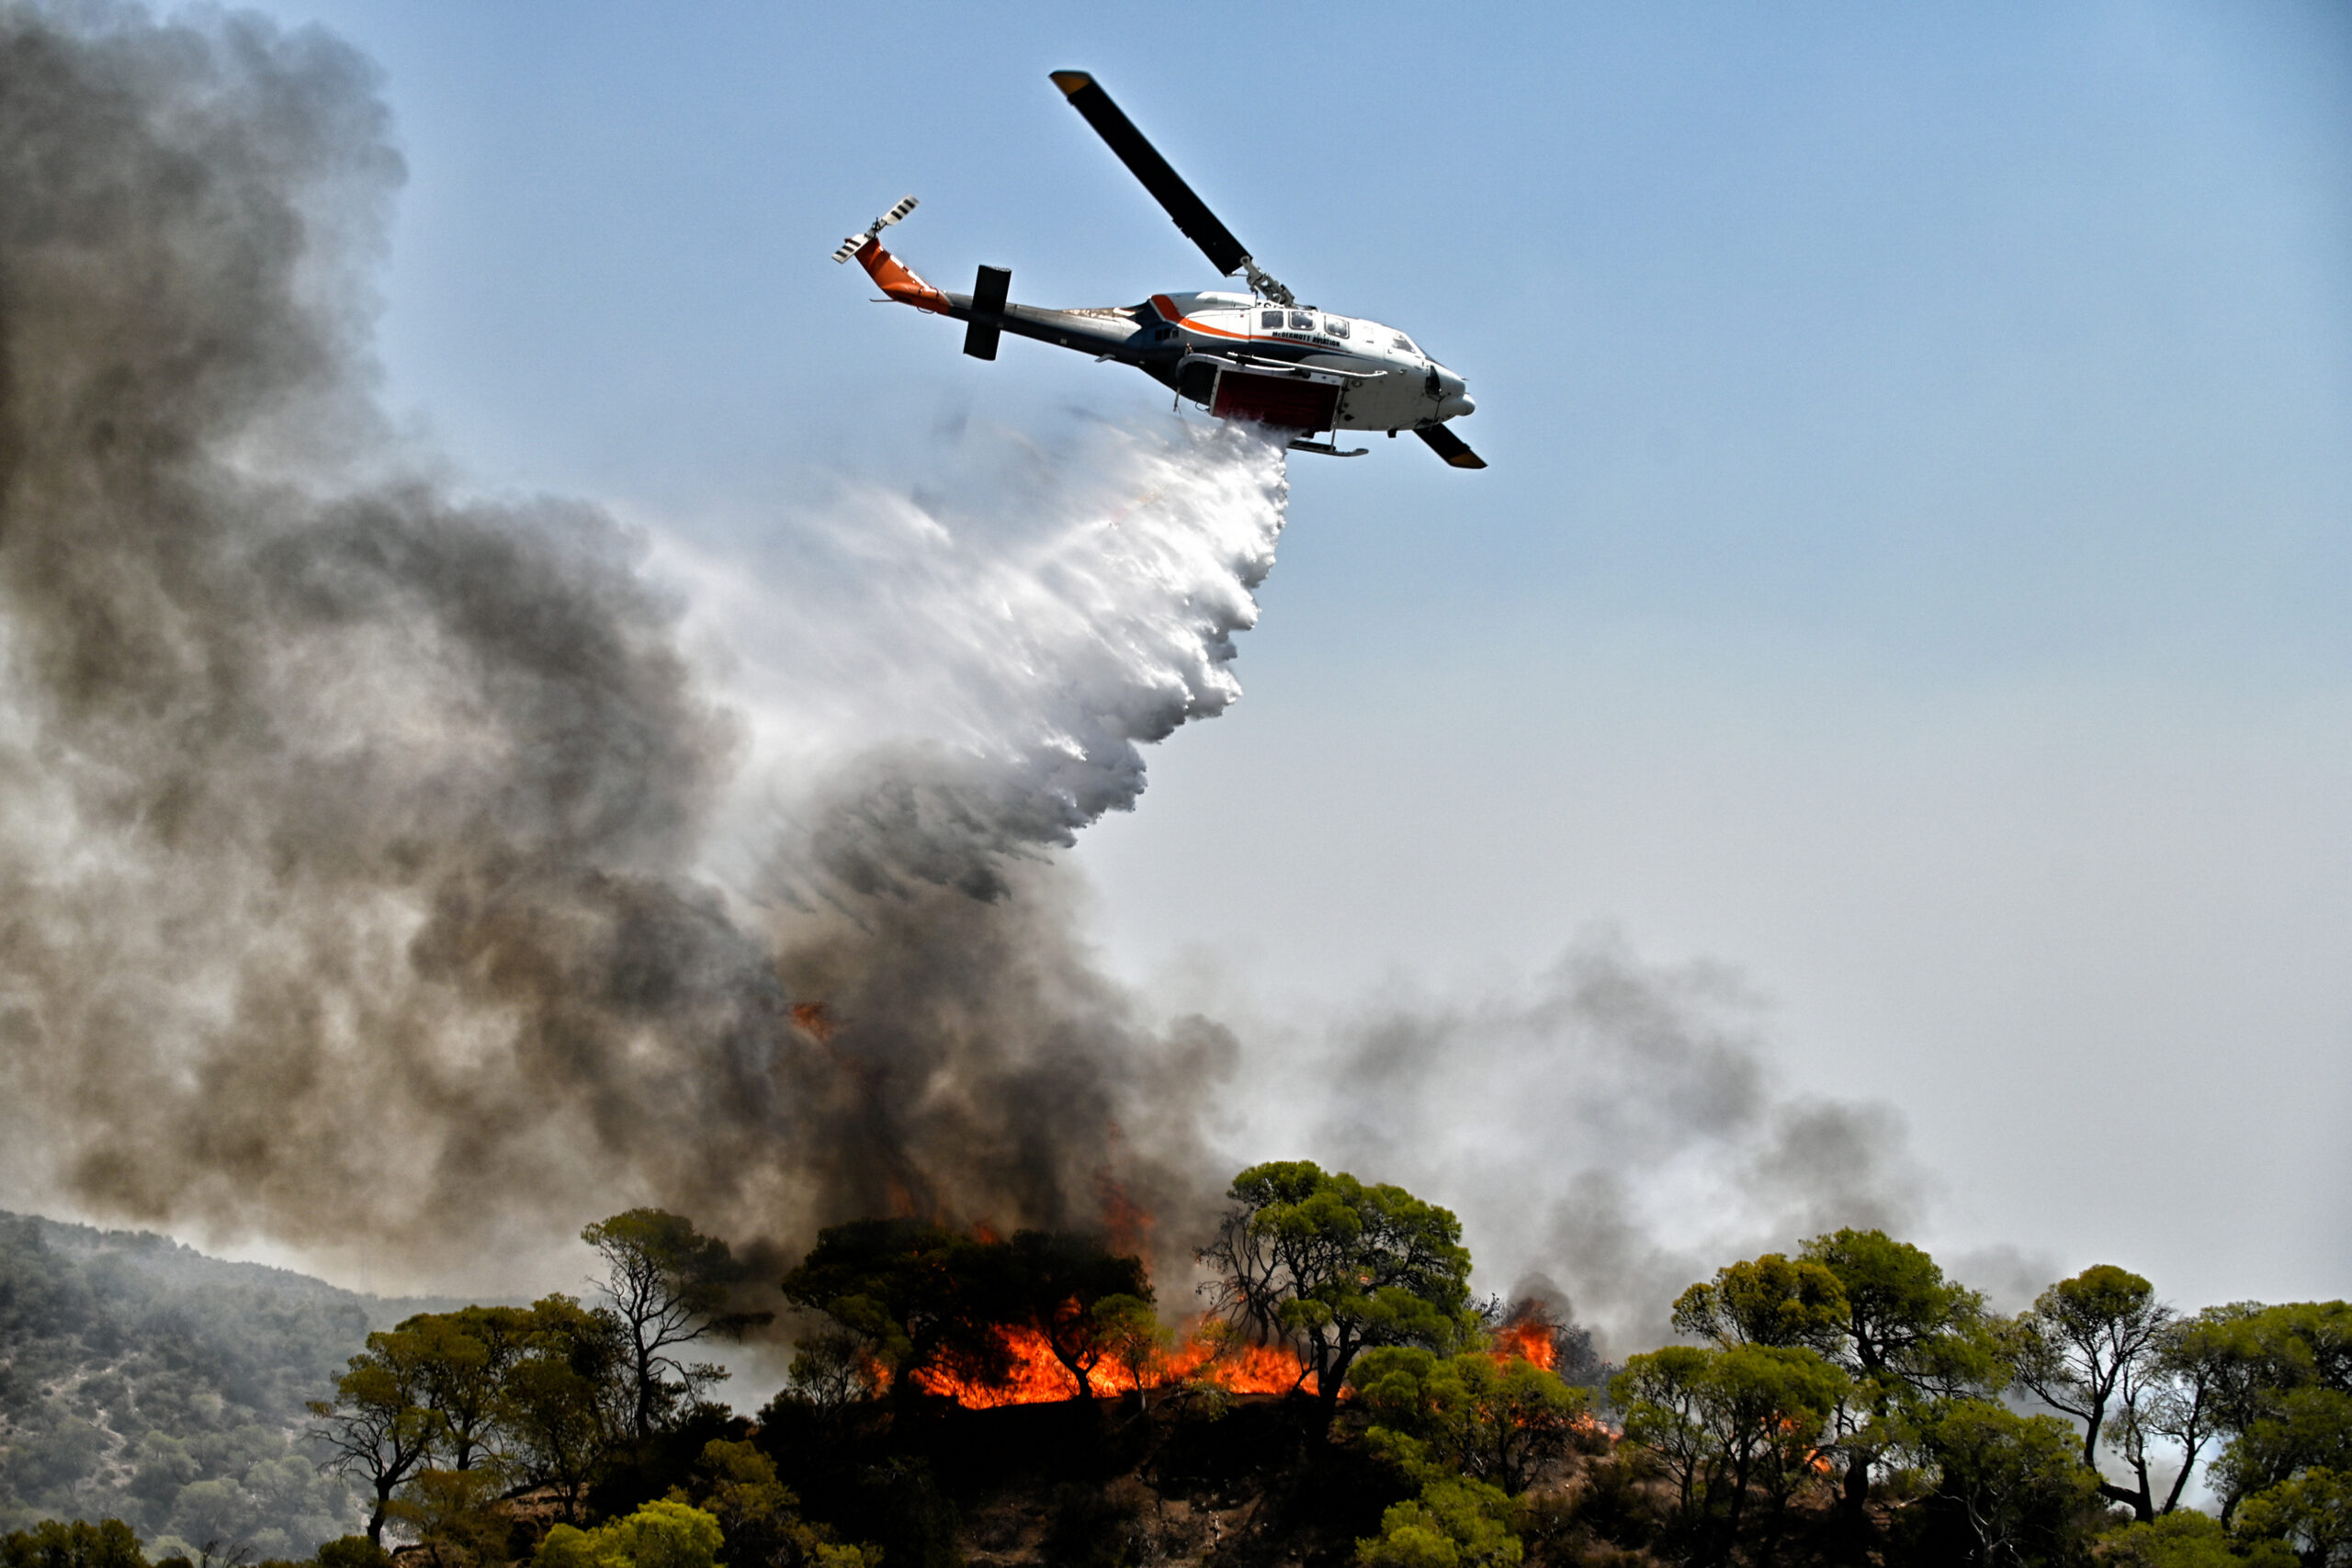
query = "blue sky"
{"x": 1913, "y": 569}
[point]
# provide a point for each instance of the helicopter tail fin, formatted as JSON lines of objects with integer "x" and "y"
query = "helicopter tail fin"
{"x": 897, "y": 279}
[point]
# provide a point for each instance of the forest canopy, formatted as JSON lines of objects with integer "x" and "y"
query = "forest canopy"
{"x": 1843, "y": 1400}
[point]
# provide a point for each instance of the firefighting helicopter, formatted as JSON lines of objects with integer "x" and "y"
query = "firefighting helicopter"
{"x": 1260, "y": 355}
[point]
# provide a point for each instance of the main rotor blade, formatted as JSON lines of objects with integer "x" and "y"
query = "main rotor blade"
{"x": 1142, "y": 159}
{"x": 1450, "y": 446}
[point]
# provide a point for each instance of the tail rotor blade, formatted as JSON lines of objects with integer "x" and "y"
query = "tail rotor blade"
{"x": 1450, "y": 446}
{"x": 1143, "y": 160}
{"x": 851, "y": 246}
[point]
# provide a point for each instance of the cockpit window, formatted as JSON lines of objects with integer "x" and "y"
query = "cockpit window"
{"x": 1270, "y": 321}
{"x": 1302, "y": 321}
{"x": 1406, "y": 343}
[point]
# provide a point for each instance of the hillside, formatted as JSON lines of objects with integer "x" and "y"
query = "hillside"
{"x": 142, "y": 1380}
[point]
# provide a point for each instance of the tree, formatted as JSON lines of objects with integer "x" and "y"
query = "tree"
{"x": 463, "y": 1358}
{"x": 2311, "y": 1514}
{"x": 1135, "y": 1341}
{"x": 2187, "y": 1539}
{"x": 1496, "y": 1420}
{"x": 916, "y": 1295}
{"x": 2015, "y": 1479}
{"x": 565, "y": 1400}
{"x": 377, "y": 1426}
{"x": 1908, "y": 1335}
{"x": 662, "y": 1534}
{"x": 669, "y": 1285}
{"x": 759, "y": 1515}
{"x": 2178, "y": 1398}
{"x": 451, "y": 1514}
{"x": 2087, "y": 1345}
{"x": 1730, "y": 1424}
{"x": 1334, "y": 1268}
{"x": 1454, "y": 1523}
{"x": 54, "y": 1543}
{"x": 2284, "y": 1393}
{"x": 1056, "y": 1279}
{"x": 1770, "y": 1301}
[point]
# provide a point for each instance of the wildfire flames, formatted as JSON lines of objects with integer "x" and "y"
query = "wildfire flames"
{"x": 1528, "y": 1341}
{"x": 1038, "y": 1377}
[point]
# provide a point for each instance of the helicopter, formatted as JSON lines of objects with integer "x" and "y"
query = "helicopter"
{"x": 1260, "y": 355}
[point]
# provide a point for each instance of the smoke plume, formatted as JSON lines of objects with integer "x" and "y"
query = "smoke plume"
{"x": 402, "y": 877}
{"x": 1611, "y": 1130}
{"x": 386, "y": 871}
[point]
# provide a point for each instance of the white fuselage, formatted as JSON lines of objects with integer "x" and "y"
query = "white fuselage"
{"x": 1391, "y": 384}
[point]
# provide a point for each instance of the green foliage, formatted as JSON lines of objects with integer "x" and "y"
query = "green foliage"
{"x": 1454, "y": 1523}
{"x": 2186, "y": 1540}
{"x": 2086, "y": 1342}
{"x": 1496, "y": 1421}
{"x": 1910, "y": 1334}
{"x": 1770, "y": 1301}
{"x": 53, "y": 1544}
{"x": 737, "y": 1484}
{"x": 565, "y": 1399}
{"x": 451, "y": 1513}
{"x": 352, "y": 1552}
{"x": 662, "y": 1534}
{"x": 378, "y": 1427}
{"x": 1135, "y": 1340}
{"x": 1732, "y": 1427}
{"x": 2283, "y": 1381}
{"x": 2015, "y": 1483}
{"x": 1335, "y": 1266}
{"x": 2311, "y": 1514}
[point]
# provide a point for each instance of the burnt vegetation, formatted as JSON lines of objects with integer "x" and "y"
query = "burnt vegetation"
{"x": 959, "y": 1398}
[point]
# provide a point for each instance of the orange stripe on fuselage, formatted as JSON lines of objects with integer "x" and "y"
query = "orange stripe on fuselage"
{"x": 1167, "y": 309}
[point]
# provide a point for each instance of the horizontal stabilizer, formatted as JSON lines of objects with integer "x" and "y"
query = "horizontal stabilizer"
{"x": 1450, "y": 446}
{"x": 988, "y": 291}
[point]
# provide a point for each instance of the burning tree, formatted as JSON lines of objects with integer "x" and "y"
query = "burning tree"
{"x": 935, "y": 1309}
{"x": 1333, "y": 1267}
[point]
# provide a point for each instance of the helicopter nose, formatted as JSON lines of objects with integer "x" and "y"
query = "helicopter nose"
{"x": 1453, "y": 397}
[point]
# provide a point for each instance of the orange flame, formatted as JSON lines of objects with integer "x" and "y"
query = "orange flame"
{"x": 1038, "y": 1377}
{"x": 1527, "y": 1340}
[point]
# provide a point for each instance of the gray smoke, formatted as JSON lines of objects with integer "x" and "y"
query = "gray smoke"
{"x": 385, "y": 873}
{"x": 1611, "y": 1132}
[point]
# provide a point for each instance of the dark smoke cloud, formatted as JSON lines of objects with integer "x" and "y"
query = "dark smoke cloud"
{"x": 381, "y": 873}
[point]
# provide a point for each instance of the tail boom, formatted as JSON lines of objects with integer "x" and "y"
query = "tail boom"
{"x": 899, "y": 280}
